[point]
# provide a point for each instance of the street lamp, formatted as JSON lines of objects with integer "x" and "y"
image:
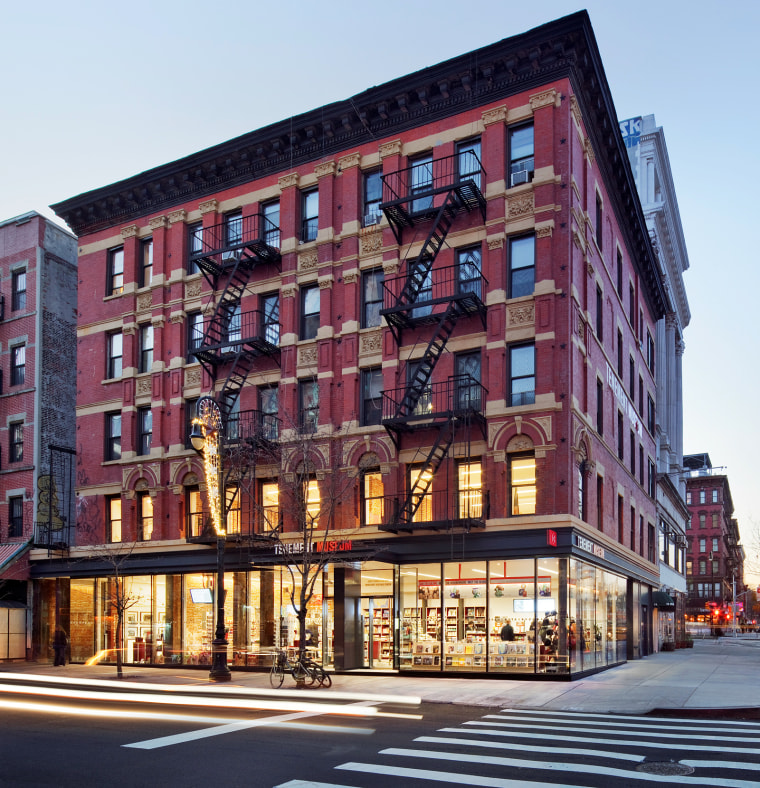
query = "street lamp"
{"x": 207, "y": 438}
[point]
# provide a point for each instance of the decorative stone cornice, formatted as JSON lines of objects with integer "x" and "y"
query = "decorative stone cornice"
{"x": 193, "y": 289}
{"x": 351, "y": 277}
{"x": 129, "y": 232}
{"x": 287, "y": 181}
{"x": 347, "y": 162}
{"x": 308, "y": 262}
{"x": 495, "y": 241}
{"x": 521, "y": 314}
{"x": 144, "y": 301}
{"x": 575, "y": 110}
{"x": 208, "y": 206}
{"x": 325, "y": 169}
{"x": 157, "y": 223}
{"x": 390, "y": 267}
{"x": 177, "y": 317}
{"x": 289, "y": 291}
{"x": 370, "y": 240}
{"x": 177, "y": 216}
{"x": 546, "y": 98}
{"x": 159, "y": 321}
{"x": 326, "y": 282}
{"x": 589, "y": 149}
{"x": 390, "y": 149}
{"x": 192, "y": 376}
{"x": 520, "y": 205}
{"x": 495, "y": 115}
{"x": 544, "y": 229}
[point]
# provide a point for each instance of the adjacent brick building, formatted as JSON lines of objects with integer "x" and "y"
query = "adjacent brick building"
{"x": 38, "y": 281}
{"x": 714, "y": 556}
{"x": 447, "y": 277}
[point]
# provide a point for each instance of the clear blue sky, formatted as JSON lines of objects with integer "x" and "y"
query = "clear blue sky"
{"x": 95, "y": 92}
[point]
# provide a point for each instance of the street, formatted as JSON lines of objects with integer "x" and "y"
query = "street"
{"x": 67, "y": 734}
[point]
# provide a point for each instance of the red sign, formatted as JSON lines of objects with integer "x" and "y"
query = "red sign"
{"x": 551, "y": 537}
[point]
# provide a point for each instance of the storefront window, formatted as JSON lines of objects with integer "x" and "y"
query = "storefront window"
{"x": 378, "y": 615}
{"x": 200, "y": 616}
{"x": 420, "y": 621}
{"x": 82, "y": 620}
{"x": 465, "y": 628}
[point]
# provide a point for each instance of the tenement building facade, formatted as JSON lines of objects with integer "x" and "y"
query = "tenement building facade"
{"x": 431, "y": 309}
{"x": 38, "y": 301}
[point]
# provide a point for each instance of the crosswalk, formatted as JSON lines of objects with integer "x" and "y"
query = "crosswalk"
{"x": 530, "y": 748}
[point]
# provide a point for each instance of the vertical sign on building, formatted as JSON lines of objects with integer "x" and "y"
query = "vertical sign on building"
{"x": 631, "y": 131}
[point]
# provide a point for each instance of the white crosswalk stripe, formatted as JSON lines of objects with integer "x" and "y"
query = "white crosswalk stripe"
{"x": 534, "y": 749}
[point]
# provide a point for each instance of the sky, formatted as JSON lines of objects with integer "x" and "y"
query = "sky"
{"x": 96, "y": 92}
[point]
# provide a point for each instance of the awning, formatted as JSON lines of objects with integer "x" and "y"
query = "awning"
{"x": 10, "y": 553}
{"x": 662, "y": 600}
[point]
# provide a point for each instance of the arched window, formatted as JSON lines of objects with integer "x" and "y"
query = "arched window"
{"x": 371, "y": 489}
{"x": 521, "y": 460}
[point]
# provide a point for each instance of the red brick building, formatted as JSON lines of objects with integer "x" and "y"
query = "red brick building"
{"x": 37, "y": 397}
{"x": 448, "y": 277}
{"x": 714, "y": 557}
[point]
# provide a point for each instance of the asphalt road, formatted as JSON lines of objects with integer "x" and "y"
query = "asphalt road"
{"x": 79, "y": 735}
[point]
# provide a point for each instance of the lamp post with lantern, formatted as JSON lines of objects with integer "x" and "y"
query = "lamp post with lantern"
{"x": 207, "y": 438}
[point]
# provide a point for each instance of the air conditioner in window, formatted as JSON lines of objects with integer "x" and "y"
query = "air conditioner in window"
{"x": 521, "y": 176}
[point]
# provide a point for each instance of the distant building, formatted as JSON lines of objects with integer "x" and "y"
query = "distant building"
{"x": 449, "y": 283}
{"x": 648, "y": 155}
{"x": 38, "y": 300}
{"x": 714, "y": 557}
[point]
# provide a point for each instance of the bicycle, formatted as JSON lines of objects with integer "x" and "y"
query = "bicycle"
{"x": 304, "y": 672}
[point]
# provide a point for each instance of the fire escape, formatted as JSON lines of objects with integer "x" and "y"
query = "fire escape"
{"x": 427, "y": 197}
{"x": 228, "y": 255}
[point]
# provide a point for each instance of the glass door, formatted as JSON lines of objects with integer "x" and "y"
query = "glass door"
{"x": 377, "y": 617}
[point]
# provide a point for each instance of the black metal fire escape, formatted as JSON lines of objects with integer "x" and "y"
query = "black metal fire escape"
{"x": 228, "y": 255}
{"x": 426, "y": 296}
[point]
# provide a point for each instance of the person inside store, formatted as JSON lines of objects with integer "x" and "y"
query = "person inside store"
{"x": 60, "y": 641}
{"x": 507, "y": 631}
{"x": 310, "y": 638}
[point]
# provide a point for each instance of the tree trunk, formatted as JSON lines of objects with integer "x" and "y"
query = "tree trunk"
{"x": 119, "y": 639}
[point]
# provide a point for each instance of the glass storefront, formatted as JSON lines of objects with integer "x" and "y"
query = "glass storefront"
{"x": 530, "y": 615}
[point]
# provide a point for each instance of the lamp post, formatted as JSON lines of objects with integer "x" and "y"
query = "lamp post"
{"x": 207, "y": 439}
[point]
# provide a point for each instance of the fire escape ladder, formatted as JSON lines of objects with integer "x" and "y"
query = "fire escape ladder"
{"x": 419, "y": 381}
{"x": 421, "y": 265}
{"x": 424, "y": 479}
{"x": 241, "y": 365}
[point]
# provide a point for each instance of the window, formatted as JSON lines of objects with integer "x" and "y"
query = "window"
{"x": 632, "y": 444}
{"x": 372, "y": 396}
{"x": 599, "y": 314}
{"x": 269, "y": 404}
{"x": 652, "y": 478}
{"x": 620, "y": 518}
{"x": 702, "y": 520}
{"x": 18, "y": 292}
{"x": 715, "y": 495}
{"x": 688, "y": 497}
{"x": 467, "y": 382}
{"x": 15, "y": 516}
{"x": 113, "y": 436}
{"x": 194, "y": 334}
{"x": 702, "y": 566}
{"x": 522, "y": 375}
{"x": 414, "y": 369}
{"x": 469, "y": 271}
{"x": 311, "y": 501}
{"x": 632, "y": 306}
{"x": 372, "y": 197}
{"x": 372, "y": 497}
{"x": 715, "y": 520}
{"x": 581, "y": 487}
{"x": 146, "y": 263}
{"x": 620, "y": 436}
{"x": 650, "y": 543}
{"x": 701, "y": 496}
{"x": 234, "y": 328}
{"x": 16, "y": 441}
{"x": 308, "y": 401}
{"x": 715, "y": 544}
{"x": 194, "y": 509}
{"x": 146, "y": 348}
{"x": 632, "y": 378}
{"x": 633, "y": 529}
{"x": 270, "y": 314}
{"x": 650, "y": 352}
{"x": 468, "y": 161}
{"x": 521, "y": 154}
{"x": 189, "y": 408}
{"x": 619, "y": 272}
{"x": 271, "y": 212}
{"x": 232, "y": 424}
{"x": 641, "y": 396}
{"x": 113, "y": 518}
{"x": 599, "y": 407}
{"x": 470, "y": 487}
{"x": 115, "y": 272}
{"x": 600, "y": 502}
{"x": 599, "y": 221}
{"x": 309, "y": 215}
{"x": 144, "y": 430}
{"x": 145, "y": 515}
{"x": 309, "y": 312}
{"x": 270, "y": 506}
{"x": 422, "y": 182}
{"x": 372, "y": 297}
{"x": 233, "y": 229}
{"x": 18, "y": 365}
{"x": 620, "y": 354}
{"x": 234, "y": 520}
{"x": 641, "y": 465}
{"x": 194, "y": 245}
{"x": 522, "y": 484}
{"x": 422, "y": 481}
{"x": 522, "y": 265}
{"x": 115, "y": 354}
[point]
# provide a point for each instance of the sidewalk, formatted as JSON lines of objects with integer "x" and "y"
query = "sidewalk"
{"x": 715, "y": 675}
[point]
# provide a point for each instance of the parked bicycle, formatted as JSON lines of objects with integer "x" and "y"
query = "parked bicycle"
{"x": 305, "y": 671}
